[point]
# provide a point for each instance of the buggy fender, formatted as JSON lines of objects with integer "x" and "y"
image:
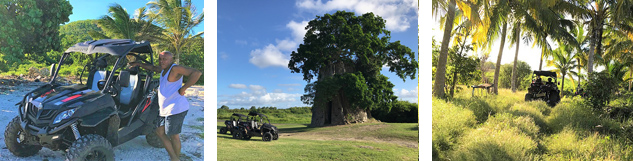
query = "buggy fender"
{"x": 96, "y": 110}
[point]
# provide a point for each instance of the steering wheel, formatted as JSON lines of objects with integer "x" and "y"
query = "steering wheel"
{"x": 114, "y": 89}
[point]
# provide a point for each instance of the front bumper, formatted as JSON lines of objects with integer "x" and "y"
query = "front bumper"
{"x": 46, "y": 135}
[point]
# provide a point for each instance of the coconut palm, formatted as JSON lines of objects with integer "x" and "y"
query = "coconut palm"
{"x": 563, "y": 61}
{"x": 538, "y": 17}
{"x": 118, "y": 24}
{"x": 178, "y": 18}
{"x": 598, "y": 14}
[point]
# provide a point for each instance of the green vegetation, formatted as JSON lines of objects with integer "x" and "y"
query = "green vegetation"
{"x": 481, "y": 128}
{"x": 299, "y": 115}
{"x": 371, "y": 141}
{"x": 340, "y": 59}
{"x": 30, "y": 29}
{"x": 38, "y": 40}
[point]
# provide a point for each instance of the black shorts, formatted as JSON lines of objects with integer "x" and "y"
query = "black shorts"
{"x": 173, "y": 123}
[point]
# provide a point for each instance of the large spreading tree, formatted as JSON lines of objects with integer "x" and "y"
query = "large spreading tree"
{"x": 30, "y": 27}
{"x": 341, "y": 59}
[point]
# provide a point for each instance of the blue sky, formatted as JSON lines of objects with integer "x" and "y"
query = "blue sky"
{"x": 255, "y": 40}
{"x": 90, "y": 9}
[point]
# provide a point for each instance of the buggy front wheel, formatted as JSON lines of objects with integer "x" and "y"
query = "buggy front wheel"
{"x": 267, "y": 136}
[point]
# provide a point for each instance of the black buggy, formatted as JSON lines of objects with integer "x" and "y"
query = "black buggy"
{"x": 87, "y": 120}
{"x": 246, "y": 130}
{"x": 231, "y": 124}
{"x": 544, "y": 90}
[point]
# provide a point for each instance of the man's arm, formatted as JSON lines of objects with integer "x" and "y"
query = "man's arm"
{"x": 191, "y": 73}
{"x": 146, "y": 66}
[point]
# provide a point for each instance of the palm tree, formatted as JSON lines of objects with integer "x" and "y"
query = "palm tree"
{"x": 178, "y": 18}
{"x": 601, "y": 13}
{"x": 538, "y": 17}
{"x": 118, "y": 24}
{"x": 563, "y": 61}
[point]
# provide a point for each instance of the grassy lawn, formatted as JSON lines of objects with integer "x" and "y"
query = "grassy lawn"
{"x": 368, "y": 141}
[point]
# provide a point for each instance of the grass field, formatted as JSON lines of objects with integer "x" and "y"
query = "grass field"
{"x": 504, "y": 127}
{"x": 367, "y": 141}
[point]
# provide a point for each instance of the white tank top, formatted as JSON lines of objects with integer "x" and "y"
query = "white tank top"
{"x": 169, "y": 100}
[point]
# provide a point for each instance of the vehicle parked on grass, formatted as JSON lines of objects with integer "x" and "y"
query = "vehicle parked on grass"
{"x": 546, "y": 91}
{"x": 232, "y": 123}
{"x": 114, "y": 106}
{"x": 246, "y": 130}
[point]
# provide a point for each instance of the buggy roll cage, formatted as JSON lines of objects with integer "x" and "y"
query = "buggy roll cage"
{"x": 239, "y": 116}
{"x": 261, "y": 116}
{"x": 114, "y": 47}
{"x": 544, "y": 73}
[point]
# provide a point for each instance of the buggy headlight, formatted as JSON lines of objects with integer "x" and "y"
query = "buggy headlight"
{"x": 63, "y": 115}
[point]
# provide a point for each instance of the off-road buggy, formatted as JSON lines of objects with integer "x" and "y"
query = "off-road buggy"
{"x": 87, "y": 120}
{"x": 544, "y": 90}
{"x": 246, "y": 130}
{"x": 232, "y": 123}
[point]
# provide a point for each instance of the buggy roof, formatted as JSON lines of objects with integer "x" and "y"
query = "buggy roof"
{"x": 239, "y": 115}
{"x": 116, "y": 47}
{"x": 255, "y": 114}
{"x": 545, "y": 73}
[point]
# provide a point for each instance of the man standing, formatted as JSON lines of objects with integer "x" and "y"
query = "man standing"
{"x": 171, "y": 100}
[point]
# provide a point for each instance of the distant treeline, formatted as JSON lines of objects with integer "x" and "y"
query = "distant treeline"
{"x": 401, "y": 112}
{"x": 301, "y": 115}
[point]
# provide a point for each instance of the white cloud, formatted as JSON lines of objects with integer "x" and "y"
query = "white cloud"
{"x": 256, "y": 87}
{"x": 286, "y": 45}
{"x": 289, "y": 85}
{"x": 269, "y": 56}
{"x": 394, "y": 11}
{"x": 298, "y": 29}
{"x": 224, "y": 56}
{"x": 404, "y": 93}
{"x": 259, "y": 97}
{"x": 237, "y": 86}
{"x": 272, "y": 55}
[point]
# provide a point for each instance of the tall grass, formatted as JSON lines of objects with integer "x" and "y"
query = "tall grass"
{"x": 508, "y": 128}
{"x": 449, "y": 122}
{"x": 574, "y": 113}
{"x": 570, "y": 144}
{"x": 503, "y": 137}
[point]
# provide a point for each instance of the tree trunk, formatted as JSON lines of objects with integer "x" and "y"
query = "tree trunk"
{"x": 440, "y": 73}
{"x": 318, "y": 112}
{"x": 337, "y": 110}
{"x": 453, "y": 84}
{"x": 578, "y": 87}
{"x": 592, "y": 45}
{"x": 498, "y": 67}
{"x": 338, "y": 118}
{"x": 562, "y": 87}
{"x": 514, "y": 67}
{"x": 541, "y": 63}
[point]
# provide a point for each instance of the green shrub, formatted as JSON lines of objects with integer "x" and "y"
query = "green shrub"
{"x": 600, "y": 89}
{"x": 400, "y": 112}
{"x": 449, "y": 122}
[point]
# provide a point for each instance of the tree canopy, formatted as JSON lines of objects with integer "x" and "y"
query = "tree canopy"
{"x": 30, "y": 26}
{"x": 346, "y": 53}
